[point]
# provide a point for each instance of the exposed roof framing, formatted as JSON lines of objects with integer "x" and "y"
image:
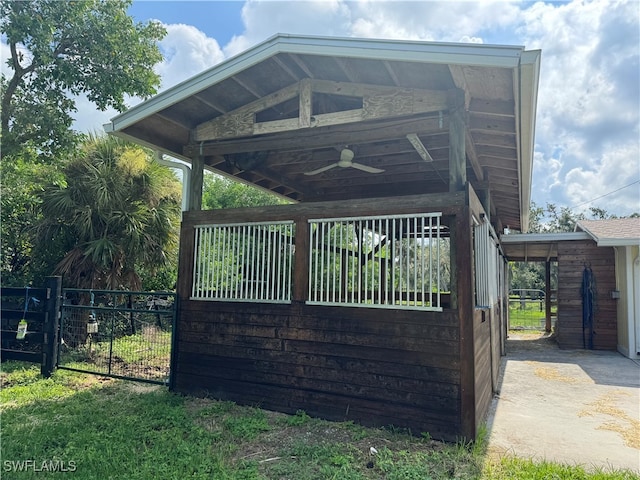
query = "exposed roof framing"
{"x": 289, "y": 105}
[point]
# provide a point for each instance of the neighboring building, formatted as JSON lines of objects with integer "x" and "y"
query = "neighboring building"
{"x": 608, "y": 251}
{"x": 622, "y": 236}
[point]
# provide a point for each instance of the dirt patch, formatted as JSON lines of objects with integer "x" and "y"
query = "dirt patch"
{"x": 618, "y": 421}
{"x": 552, "y": 373}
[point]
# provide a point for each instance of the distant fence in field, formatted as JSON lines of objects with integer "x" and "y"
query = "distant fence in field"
{"x": 527, "y": 309}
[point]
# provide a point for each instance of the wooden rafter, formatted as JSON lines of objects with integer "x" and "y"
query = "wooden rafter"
{"x": 378, "y": 102}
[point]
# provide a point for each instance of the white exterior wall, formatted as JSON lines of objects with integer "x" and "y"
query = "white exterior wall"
{"x": 628, "y": 284}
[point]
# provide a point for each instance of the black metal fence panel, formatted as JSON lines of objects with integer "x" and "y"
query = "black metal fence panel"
{"x": 29, "y": 324}
{"x": 118, "y": 333}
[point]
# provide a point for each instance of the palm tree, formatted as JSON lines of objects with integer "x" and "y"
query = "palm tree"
{"x": 118, "y": 212}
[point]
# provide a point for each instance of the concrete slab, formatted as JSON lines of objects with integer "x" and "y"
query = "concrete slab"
{"x": 570, "y": 406}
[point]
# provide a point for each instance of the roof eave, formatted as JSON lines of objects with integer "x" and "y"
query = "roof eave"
{"x": 529, "y": 75}
{"x": 445, "y": 53}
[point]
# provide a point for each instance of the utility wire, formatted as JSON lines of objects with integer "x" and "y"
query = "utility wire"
{"x": 605, "y": 195}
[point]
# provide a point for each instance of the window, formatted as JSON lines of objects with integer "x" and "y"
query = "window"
{"x": 390, "y": 261}
{"x": 244, "y": 262}
{"x": 487, "y": 264}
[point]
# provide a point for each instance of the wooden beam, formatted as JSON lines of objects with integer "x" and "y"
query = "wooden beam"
{"x": 460, "y": 80}
{"x": 457, "y": 142}
{"x": 378, "y": 102}
{"x": 472, "y": 156}
{"x": 305, "y": 104}
{"x": 330, "y": 136}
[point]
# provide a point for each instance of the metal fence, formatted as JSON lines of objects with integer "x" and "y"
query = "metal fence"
{"x": 389, "y": 261}
{"x": 117, "y": 333}
{"x": 527, "y": 310}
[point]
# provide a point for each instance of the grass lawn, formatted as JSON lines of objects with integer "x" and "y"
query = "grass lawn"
{"x": 99, "y": 428}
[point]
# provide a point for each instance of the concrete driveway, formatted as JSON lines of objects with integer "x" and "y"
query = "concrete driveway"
{"x": 570, "y": 406}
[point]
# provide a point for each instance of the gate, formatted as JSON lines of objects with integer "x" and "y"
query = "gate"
{"x": 527, "y": 309}
{"x": 120, "y": 334}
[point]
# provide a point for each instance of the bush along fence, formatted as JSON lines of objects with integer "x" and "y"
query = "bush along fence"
{"x": 29, "y": 325}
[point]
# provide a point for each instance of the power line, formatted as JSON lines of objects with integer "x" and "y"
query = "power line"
{"x": 605, "y": 195}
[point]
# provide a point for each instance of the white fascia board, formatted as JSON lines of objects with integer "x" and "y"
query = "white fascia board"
{"x": 445, "y": 53}
{"x": 472, "y": 54}
{"x": 529, "y": 76}
{"x": 618, "y": 242}
{"x": 109, "y": 130}
{"x": 544, "y": 237}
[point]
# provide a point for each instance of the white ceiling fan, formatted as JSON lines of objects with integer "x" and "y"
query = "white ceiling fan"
{"x": 346, "y": 161}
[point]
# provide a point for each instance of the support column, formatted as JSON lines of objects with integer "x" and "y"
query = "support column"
{"x": 547, "y": 295}
{"x": 457, "y": 134}
{"x": 195, "y": 183}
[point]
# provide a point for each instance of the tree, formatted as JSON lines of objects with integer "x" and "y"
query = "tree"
{"x": 61, "y": 49}
{"x": 118, "y": 212}
{"x": 22, "y": 181}
{"x": 219, "y": 192}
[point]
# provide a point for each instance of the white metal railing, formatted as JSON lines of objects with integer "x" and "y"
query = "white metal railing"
{"x": 487, "y": 264}
{"x": 390, "y": 261}
{"x": 243, "y": 262}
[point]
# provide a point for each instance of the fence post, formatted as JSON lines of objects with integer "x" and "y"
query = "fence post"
{"x": 51, "y": 325}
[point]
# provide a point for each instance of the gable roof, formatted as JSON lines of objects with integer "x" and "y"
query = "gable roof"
{"x": 614, "y": 232}
{"x": 290, "y": 104}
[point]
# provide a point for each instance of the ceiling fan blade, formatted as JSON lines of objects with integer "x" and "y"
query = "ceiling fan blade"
{"x": 366, "y": 168}
{"x": 321, "y": 169}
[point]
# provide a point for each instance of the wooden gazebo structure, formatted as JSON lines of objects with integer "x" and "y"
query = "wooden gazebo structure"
{"x": 379, "y": 294}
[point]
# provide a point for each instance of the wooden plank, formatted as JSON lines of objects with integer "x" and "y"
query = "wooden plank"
{"x": 327, "y": 136}
{"x": 416, "y": 392}
{"x": 338, "y": 363}
{"x": 424, "y": 203}
{"x": 331, "y": 407}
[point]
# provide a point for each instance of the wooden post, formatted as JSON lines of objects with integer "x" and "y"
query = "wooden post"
{"x": 301, "y": 265}
{"x": 51, "y": 326}
{"x": 195, "y": 183}
{"x": 465, "y": 305}
{"x": 547, "y": 295}
{"x": 457, "y": 134}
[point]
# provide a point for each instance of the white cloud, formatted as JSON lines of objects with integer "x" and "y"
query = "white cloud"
{"x": 588, "y": 102}
{"x": 587, "y": 130}
{"x": 187, "y": 51}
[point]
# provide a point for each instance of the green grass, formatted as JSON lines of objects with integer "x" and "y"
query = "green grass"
{"x": 143, "y": 355}
{"x": 110, "y": 429}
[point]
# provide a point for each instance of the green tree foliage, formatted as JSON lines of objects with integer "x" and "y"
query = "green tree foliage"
{"x": 219, "y": 192}
{"x": 22, "y": 182}
{"x": 58, "y": 50}
{"x": 61, "y": 49}
{"x": 118, "y": 212}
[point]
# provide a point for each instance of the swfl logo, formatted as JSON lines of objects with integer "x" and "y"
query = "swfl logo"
{"x": 43, "y": 466}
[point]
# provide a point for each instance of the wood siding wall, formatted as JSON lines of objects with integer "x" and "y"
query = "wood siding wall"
{"x": 391, "y": 367}
{"x": 487, "y": 340}
{"x": 428, "y": 371}
{"x": 572, "y": 258}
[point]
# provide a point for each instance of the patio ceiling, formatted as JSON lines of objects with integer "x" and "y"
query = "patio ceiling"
{"x": 290, "y": 105}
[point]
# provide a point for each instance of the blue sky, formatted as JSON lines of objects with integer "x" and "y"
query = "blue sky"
{"x": 588, "y": 117}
